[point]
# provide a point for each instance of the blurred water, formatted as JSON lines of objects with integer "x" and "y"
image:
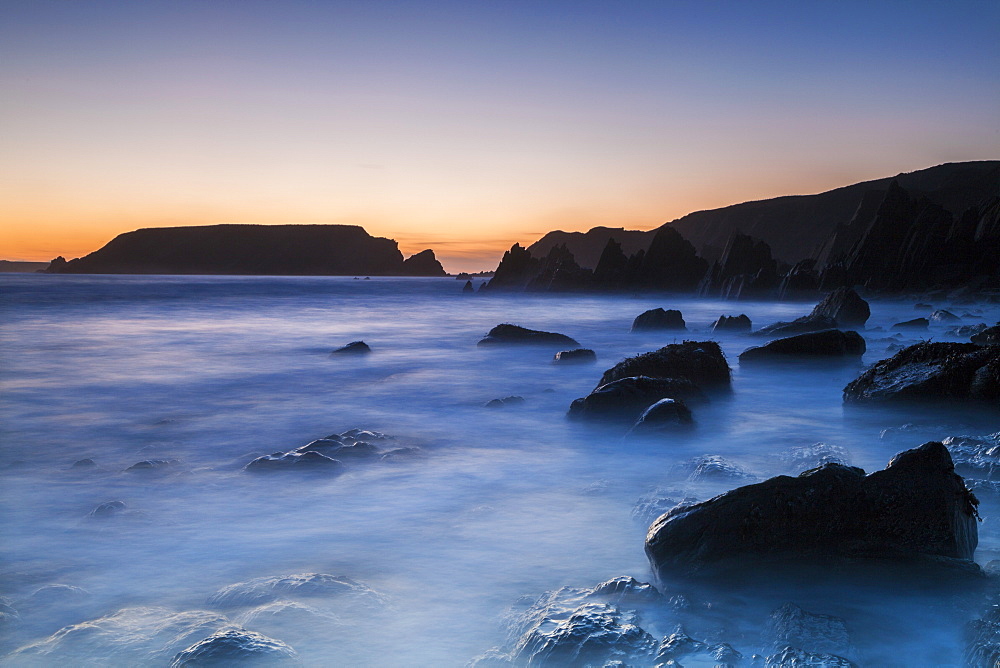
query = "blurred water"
{"x": 212, "y": 371}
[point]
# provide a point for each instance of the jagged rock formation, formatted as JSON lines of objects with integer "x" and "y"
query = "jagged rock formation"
{"x": 745, "y": 270}
{"x": 587, "y": 247}
{"x": 732, "y": 323}
{"x": 291, "y": 250}
{"x": 845, "y": 307}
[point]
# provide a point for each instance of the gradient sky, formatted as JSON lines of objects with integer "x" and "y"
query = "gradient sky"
{"x": 467, "y": 126}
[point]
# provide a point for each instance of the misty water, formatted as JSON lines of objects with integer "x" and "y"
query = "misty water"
{"x": 207, "y": 373}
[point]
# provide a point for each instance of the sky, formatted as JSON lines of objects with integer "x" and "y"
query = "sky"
{"x": 467, "y": 126}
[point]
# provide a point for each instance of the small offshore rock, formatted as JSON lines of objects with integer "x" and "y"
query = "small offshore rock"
{"x": 715, "y": 468}
{"x": 735, "y": 323}
{"x": 807, "y": 323}
{"x": 150, "y": 465}
{"x": 658, "y": 319}
{"x": 701, "y": 362}
{"x": 84, "y": 464}
{"x": 625, "y": 399}
{"x": 665, "y": 415}
{"x": 915, "y": 324}
{"x": 845, "y": 307}
{"x": 398, "y": 454}
{"x": 575, "y": 356}
{"x": 298, "y": 461}
{"x": 966, "y": 331}
{"x": 506, "y": 402}
{"x": 353, "y": 348}
{"x": 803, "y": 458}
{"x": 988, "y": 337}
{"x": 468, "y": 287}
{"x": 942, "y": 317}
{"x": 507, "y": 334}
{"x": 107, "y": 509}
{"x": 647, "y": 508}
{"x": 830, "y": 343}
{"x": 236, "y": 647}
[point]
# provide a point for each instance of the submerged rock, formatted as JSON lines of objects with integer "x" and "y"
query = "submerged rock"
{"x": 700, "y": 362}
{"x": 658, "y": 319}
{"x": 656, "y": 503}
{"x": 150, "y": 465}
{"x": 942, "y": 317}
{"x": 267, "y": 589}
{"x": 845, "y": 307}
{"x": 576, "y": 356}
{"x": 107, "y": 509}
{"x": 626, "y": 399}
{"x": 976, "y": 457}
{"x": 84, "y": 464}
{"x": 803, "y": 458}
{"x": 735, "y": 323}
{"x": 791, "y": 626}
{"x": 915, "y": 324}
{"x": 931, "y": 371}
{"x": 353, "y": 348}
{"x": 663, "y": 416}
{"x": 830, "y": 343}
{"x": 792, "y": 657}
{"x": 514, "y": 335}
{"x": 715, "y": 468}
{"x": 917, "y": 506}
{"x": 298, "y": 461}
{"x": 236, "y": 647}
{"x": 680, "y": 649}
{"x": 506, "y": 402}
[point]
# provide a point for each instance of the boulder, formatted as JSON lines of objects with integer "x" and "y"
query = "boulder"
{"x": 664, "y": 415}
{"x": 988, "y": 337}
{"x": 236, "y": 647}
{"x": 353, "y": 348}
{"x": 966, "y": 331}
{"x": 716, "y": 469}
{"x": 829, "y": 343}
{"x": 915, "y": 324}
{"x": 942, "y": 317}
{"x": 793, "y": 657}
{"x": 930, "y": 372}
{"x": 845, "y": 307}
{"x": 84, "y": 464}
{"x": 514, "y": 335}
{"x": 658, "y": 319}
{"x": 916, "y": 507}
{"x": 807, "y": 323}
{"x": 626, "y": 399}
{"x": 338, "y": 450}
{"x": 576, "y": 356}
{"x": 804, "y": 457}
{"x": 297, "y": 461}
{"x": 732, "y": 323}
{"x": 680, "y": 649}
{"x": 506, "y": 402}
{"x": 700, "y": 362}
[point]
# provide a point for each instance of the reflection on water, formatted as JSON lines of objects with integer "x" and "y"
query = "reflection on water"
{"x": 204, "y": 374}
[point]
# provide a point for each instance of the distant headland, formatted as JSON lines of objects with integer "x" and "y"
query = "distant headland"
{"x": 264, "y": 250}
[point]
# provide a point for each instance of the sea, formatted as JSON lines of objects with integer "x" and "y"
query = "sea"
{"x": 474, "y": 508}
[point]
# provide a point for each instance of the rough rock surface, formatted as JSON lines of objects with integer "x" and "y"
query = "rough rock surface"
{"x": 658, "y": 319}
{"x": 716, "y": 469}
{"x": 983, "y": 648}
{"x": 732, "y": 323}
{"x": 505, "y": 402}
{"x": 845, "y": 307}
{"x": 792, "y": 657}
{"x": 514, "y": 334}
{"x": 915, "y": 324}
{"x": 701, "y": 362}
{"x": 663, "y": 416}
{"x": 296, "y": 461}
{"x": 807, "y": 323}
{"x": 680, "y": 649}
{"x": 976, "y": 456}
{"x": 576, "y": 356}
{"x": 236, "y": 647}
{"x": 829, "y": 343}
{"x": 264, "y": 590}
{"x": 625, "y": 399}
{"x": 916, "y": 506}
{"x": 942, "y": 317}
{"x": 791, "y": 626}
{"x": 353, "y": 348}
{"x": 988, "y": 337}
{"x": 931, "y": 371}
{"x": 805, "y": 457}
{"x": 658, "y": 502}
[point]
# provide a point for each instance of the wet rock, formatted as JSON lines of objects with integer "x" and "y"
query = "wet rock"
{"x": 931, "y": 371}
{"x": 807, "y": 323}
{"x": 700, "y": 362}
{"x": 845, "y": 307}
{"x": 647, "y": 508}
{"x": 84, "y": 464}
{"x": 236, "y": 647}
{"x": 515, "y": 335}
{"x": 734, "y": 323}
{"x": 942, "y": 317}
{"x": 626, "y": 399}
{"x": 917, "y": 506}
{"x": 966, "y": 331}
{"x": 658, "y": 319}
{"x": 297, "y": 624}
{"x": 915, "y": 324}
{"x": 983, "y": 640}
{"x": 264, "y": 590}
{"x": 976, "y": 457}
{"x": 792, "y": 657}
{"x": 803, "y": 458}
{"x": 577, "y": 356}
{"x": 680, "y": 649}
{"x": 830, "y": 343}
{"x": 401, "y": 454}
{"x": 716, "y": 469}
{"x": 506, "y": 402}
{"x": 130, "y": 637}
{"x": 340, "y": 450}
{"x": 150, "y": 465}
{"x": 353, "y": 348}
{"x": 791, "y": 626}
{"x": 664, "y": 416}
{"x": 297, "y": 461}
{"x": 988, "y": 337}
{"x": 107, "y": 509}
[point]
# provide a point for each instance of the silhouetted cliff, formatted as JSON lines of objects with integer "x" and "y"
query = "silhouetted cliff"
{"x": 279, "y": 250}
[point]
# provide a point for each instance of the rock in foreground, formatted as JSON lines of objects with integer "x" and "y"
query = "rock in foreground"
{"x": 929, "y": 372}
{"x": 626, "y": 399}
{"x": 663, "y": 416}
{"x": 916, "y": 507}
{"x": 829, "y": 343}
{"x": 700, "y": 362}
{"x": 236, "y": 647}
{"x": 845, "y": 307}
{"x": 658, "y": 319}
{"x": 506, "y": 334}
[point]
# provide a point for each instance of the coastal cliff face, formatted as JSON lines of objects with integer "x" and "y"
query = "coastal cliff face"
{"x": 276, "y": 250}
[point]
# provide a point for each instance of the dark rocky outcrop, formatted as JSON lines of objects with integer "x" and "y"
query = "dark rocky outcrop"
{"x": 701, "y": 362}
{"x": 236, "y": 647}
{"x": 915, "y": 324}
{"x": 968, "y": 331}
{"x": 942, "y": 317}
{"x": 791, "y": 626}
{"x": 506, "y": 402}
{"x": 916, "y": 507}
{"x": 827, "y": 344}
{"x": 987, "y": 337}
{"x": 746, "y": 270}
{"x": 733, "y": 323}
{"x": 931, "y": 372}
{"x": 468, "y": 287}
{"x": 353, "y": 348}
{"x": 663, "y": 416}
{"x": 658, "y": 319}
{"x": 589, "y": 247}
{"x": 291, "y": 250}
{"x": 516, "y": 335}
{"x": 807, "y": 323}
{"x": 625, "y": 399}
{"x": 575, "y": 356}
{"x": 845, "y": 307}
